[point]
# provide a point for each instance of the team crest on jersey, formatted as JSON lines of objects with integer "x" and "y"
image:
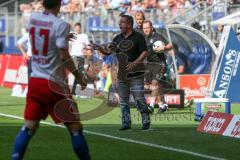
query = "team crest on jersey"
{"x": 151, "y": 40}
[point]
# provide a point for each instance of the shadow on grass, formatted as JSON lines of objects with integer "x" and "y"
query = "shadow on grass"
{"x": 49, "y": 141}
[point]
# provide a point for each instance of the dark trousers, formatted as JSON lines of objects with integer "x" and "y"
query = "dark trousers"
{"x": 79, "y": 63}
{"x": 29, "y": 65}
{"x": 136, "y": 87}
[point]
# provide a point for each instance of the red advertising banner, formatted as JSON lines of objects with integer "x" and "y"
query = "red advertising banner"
{"x": 172, "y": 99}
{"x": 215, "y": 123}
{"x": 195, "y": 86}
{"x": 13, "y": 70}
{"x": 4, "y": 59}
{"x": 233, "y": 129}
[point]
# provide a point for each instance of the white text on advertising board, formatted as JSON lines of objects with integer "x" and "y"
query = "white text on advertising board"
{"x": 202, "y": 91}
{"x": 172, "y": 99}
{"x": 236, "y": 130}
{"x": 230, "y": 67}
{"x": 214, "y": 124}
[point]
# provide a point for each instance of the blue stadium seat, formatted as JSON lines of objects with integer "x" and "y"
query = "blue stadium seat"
{"x": 200, "y": 59}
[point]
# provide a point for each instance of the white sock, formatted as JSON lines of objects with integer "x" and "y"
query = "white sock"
{"x": 152, "y": 102}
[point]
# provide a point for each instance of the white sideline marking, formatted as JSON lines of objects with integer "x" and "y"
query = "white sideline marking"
{"x": 127, "y": 140}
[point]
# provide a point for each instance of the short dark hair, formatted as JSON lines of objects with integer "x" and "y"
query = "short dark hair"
{"x": 51, "y": 4}
{"x": 149, "y": 22}
{"x": 77, "y": 24}
{"x": 129, "y": 18}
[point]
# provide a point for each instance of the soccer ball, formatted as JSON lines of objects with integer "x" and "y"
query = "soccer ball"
{"x": 158, "y": 46}
{"x": 162, "y": 108}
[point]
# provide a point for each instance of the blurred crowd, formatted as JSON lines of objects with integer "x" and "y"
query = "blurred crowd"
{"x": 106, "y": 66}
{"x": 125, "y": 6}
{"x": 107, "y": 11}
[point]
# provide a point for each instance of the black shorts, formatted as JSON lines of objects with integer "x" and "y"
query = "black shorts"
{"x": 155, "y": 71}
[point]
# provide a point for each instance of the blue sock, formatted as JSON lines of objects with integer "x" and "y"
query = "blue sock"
{"x": 80, "y": 145}
{"x": 21, "y": 143}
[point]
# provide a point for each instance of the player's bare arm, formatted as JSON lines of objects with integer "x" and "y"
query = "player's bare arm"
{"x": 168, "y": 47}
{"x": 104, "y": 49}
{"x": 21, "y": 48}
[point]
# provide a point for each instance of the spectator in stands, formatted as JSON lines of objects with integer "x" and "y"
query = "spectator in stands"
{"x": 169, "y": 7}
{"x": 235, "y": 1}
{"x": 152, "y": 4}
{"x": 157, "y": 64}
{"x": 25, "y": 48}
{"x": 124, "y": 7}
{"x": 99, "y": 64}
{"x": 26, "y": 12}
{"x": 105, "y": 68}
{"x": 65, "y": 2}
{"x": 37, "y": 6}
{"x": 93, "y": 65}
{"x": 72, "y": 6}
{"x": 218, "y": 34}
{"x": 183, "y": 5}
{"x": 139, "y": 18}
{"x": 181, "y": 69}
{"x": 135, "y": 5}
{"x": 114, "y": 4}
{"x": 113, "y": 66}
{"x": 77, "y": 48}
{"x": 144, "y": 4}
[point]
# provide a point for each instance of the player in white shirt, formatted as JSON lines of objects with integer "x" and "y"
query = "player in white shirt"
{"x": 25, "y": 48}
{"x": 80, "y": 43}
{"x": 77, "y": 48}
{"x": 47, "y": 94}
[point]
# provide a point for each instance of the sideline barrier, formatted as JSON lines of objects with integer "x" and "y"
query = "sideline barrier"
{"x": 221, "y": 124}
{"x": 194, "y": 85}
{"x": 199, "y": 115}
{"x": 13, "y": 70}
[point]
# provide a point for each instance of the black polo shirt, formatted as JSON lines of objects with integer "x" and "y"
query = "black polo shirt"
{"x": 155, "y": 57}
{"x": 128, "y": 50}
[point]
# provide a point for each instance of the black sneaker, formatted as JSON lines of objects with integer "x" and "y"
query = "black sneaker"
{"x": 146, "y": 126}
{"x": 124, "y": 128}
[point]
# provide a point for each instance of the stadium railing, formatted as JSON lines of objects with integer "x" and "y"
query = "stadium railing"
{"x": 17, "y": 20}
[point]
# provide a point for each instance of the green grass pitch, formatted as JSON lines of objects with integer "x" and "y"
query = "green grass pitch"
{"x": 173, "y": 135}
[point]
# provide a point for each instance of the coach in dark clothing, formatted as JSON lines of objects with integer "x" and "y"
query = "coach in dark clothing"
{"x": 157, "y": 65}
{"x": 131, "y": 49}
{"x": 156, "y": 59}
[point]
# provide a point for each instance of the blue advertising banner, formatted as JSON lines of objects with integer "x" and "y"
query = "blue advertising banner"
{"x": 2, "y": 25}
{"x": 228, "y": 76}
{"x": 94, "y": 21}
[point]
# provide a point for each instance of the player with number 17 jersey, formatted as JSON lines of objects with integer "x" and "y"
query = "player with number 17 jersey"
{"x": 47, "y": 84}
{"x": 47, "y": 34}
{"x": 48, "y": 94}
